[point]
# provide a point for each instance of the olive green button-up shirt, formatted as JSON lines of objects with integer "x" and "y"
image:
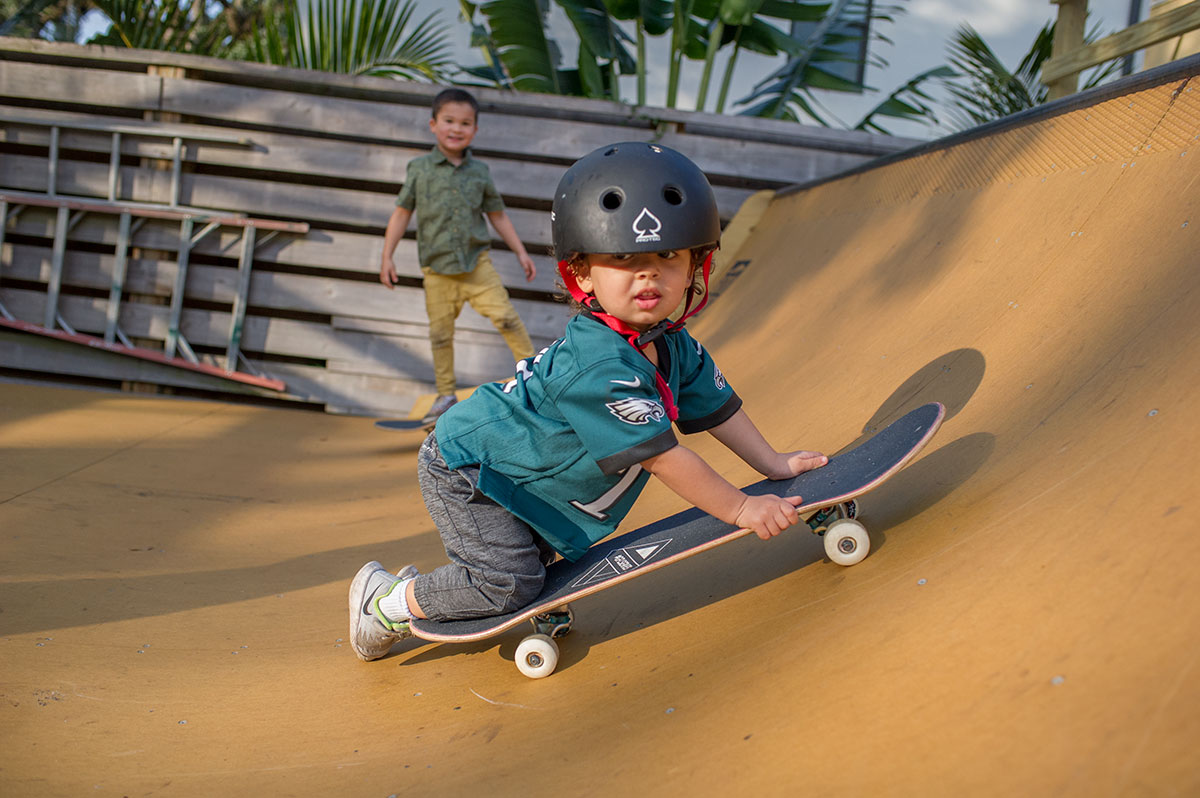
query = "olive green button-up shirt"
{"x": 449, "y": 202}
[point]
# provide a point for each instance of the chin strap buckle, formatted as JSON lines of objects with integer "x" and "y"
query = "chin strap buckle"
{"x": 646, "y": 338}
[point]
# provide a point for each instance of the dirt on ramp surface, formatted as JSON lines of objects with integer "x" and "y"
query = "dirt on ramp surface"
{"x": 173, "y": 584}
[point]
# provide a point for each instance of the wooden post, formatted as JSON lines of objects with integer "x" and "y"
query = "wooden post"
{"x": 1068, "y": 37}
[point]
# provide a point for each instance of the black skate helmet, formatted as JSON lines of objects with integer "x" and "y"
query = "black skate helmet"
{"x": 630, "y": 198}
{"x": 633, "y": 197}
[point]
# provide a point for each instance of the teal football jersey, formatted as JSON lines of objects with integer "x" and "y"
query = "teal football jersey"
{"x": 559, "y": 446}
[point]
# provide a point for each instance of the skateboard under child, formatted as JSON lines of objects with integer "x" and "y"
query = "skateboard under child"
{"x": 829, "y": 507}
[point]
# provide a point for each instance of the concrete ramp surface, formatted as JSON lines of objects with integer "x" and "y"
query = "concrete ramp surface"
{"x": 172, "y": 599}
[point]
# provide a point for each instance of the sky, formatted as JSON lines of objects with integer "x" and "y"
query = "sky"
{"x": 919, "y": 38}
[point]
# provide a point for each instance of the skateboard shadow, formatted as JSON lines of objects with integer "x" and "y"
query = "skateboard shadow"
{"x": 749, "y": 563}
{"x": 571, "y": 652}
{"x": 924, "y": 484}
{"x": 951, "y": 379}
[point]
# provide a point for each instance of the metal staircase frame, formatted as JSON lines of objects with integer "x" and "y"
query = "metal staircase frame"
{"x": 132, "y": 215}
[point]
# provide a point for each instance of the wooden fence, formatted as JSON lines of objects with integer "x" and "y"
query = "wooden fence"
{"x": 1070, "y": 55}
{"x": 323, "y": 154}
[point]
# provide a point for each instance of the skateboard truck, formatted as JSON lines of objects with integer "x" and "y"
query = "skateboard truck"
{"x": 555, "y": 623}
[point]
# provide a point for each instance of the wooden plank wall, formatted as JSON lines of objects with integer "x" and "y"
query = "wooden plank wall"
{"x": 331, "y": 151}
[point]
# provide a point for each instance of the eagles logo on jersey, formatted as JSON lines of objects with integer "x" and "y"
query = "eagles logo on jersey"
{"x": 637, "y": 411}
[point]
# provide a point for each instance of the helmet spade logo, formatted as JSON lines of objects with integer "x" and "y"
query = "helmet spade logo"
{"x": 646, "y": 225}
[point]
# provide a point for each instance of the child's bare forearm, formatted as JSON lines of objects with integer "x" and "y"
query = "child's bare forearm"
{"x": 508, "y": 233}
{"x": 742, "y": 437}
{"x": 686, "y": 473}
{"x": 397, "y": 224}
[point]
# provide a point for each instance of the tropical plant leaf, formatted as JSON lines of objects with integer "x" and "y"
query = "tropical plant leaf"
{"x": 653, "y": 16}
{"x": 493, "y": 69}
{"x": 598, "y": 31}
{"x": 778, "y": 107}
{"x": 530, "y": 58}
{"x": 367, "y": 37}
{"x": 762, "y": 37}
{"x": 739, "y": 12}
{"x": 795, "y": 11}
{"x": 359, "y": 37}
{"x": 908, "y": 102}
{"x": 984, "y": 89}
{"x": 788, "y": 82}
{"x": 26, "y": 20}
{"x": 154, "y": 25}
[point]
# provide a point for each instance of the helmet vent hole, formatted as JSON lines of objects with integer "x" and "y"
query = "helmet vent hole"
{"x": 611, "y": 200}
{"x": 672, "y": 195}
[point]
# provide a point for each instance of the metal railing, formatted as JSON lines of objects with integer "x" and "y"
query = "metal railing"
{"x": 131, "y": 215}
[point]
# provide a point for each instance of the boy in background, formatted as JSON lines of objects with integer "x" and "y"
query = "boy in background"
{"x": 450, "y": 191}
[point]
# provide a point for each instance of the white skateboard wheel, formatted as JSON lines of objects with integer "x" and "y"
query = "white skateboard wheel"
{"x": 537, "y": 656}
{"x": 846, "y": 541}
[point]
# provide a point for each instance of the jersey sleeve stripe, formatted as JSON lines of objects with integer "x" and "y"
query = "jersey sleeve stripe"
{"x": 616, "y": 463}
{"x": 713, "y": 419}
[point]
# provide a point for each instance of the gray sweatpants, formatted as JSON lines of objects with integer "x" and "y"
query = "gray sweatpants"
{"x": 497, "y": 561}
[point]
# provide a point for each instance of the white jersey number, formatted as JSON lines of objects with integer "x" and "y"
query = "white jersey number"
{"x": 599, "y": 508}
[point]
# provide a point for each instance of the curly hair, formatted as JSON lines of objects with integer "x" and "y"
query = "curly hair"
{"x": 575, "y": 264}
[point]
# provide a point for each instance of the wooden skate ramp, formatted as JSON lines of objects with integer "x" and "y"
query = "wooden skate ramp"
{"x": 172, "y": 607}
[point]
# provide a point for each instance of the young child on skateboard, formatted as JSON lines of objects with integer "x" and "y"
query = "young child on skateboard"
{"x": 550, "y": 462}
{"x": 451, "y": 192}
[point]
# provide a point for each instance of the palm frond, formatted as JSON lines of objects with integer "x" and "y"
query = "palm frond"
{"x": 909, "y": 102}
{"x": 987, "y": 89}
{"x": 26, "y": 20}
{"x": 155, "y": 25}
{"x": 360, "y": 37}
{"x": 984, "y": 89}
{"x": 788, "y": 83}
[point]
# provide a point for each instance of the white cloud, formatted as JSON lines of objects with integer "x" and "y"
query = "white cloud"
{"x": 989, "y": 17}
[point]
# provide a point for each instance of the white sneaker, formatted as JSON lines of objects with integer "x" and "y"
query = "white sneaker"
{"x": 372, "y": 634}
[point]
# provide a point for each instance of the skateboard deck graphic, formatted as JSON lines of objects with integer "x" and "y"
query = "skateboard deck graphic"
{"x": 676, "y": 537}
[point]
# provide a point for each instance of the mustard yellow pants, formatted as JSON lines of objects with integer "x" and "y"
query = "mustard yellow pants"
{"x": 445, "y": 295}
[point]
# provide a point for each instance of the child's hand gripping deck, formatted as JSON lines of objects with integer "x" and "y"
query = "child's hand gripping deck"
{"x": 827, "y": 493}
